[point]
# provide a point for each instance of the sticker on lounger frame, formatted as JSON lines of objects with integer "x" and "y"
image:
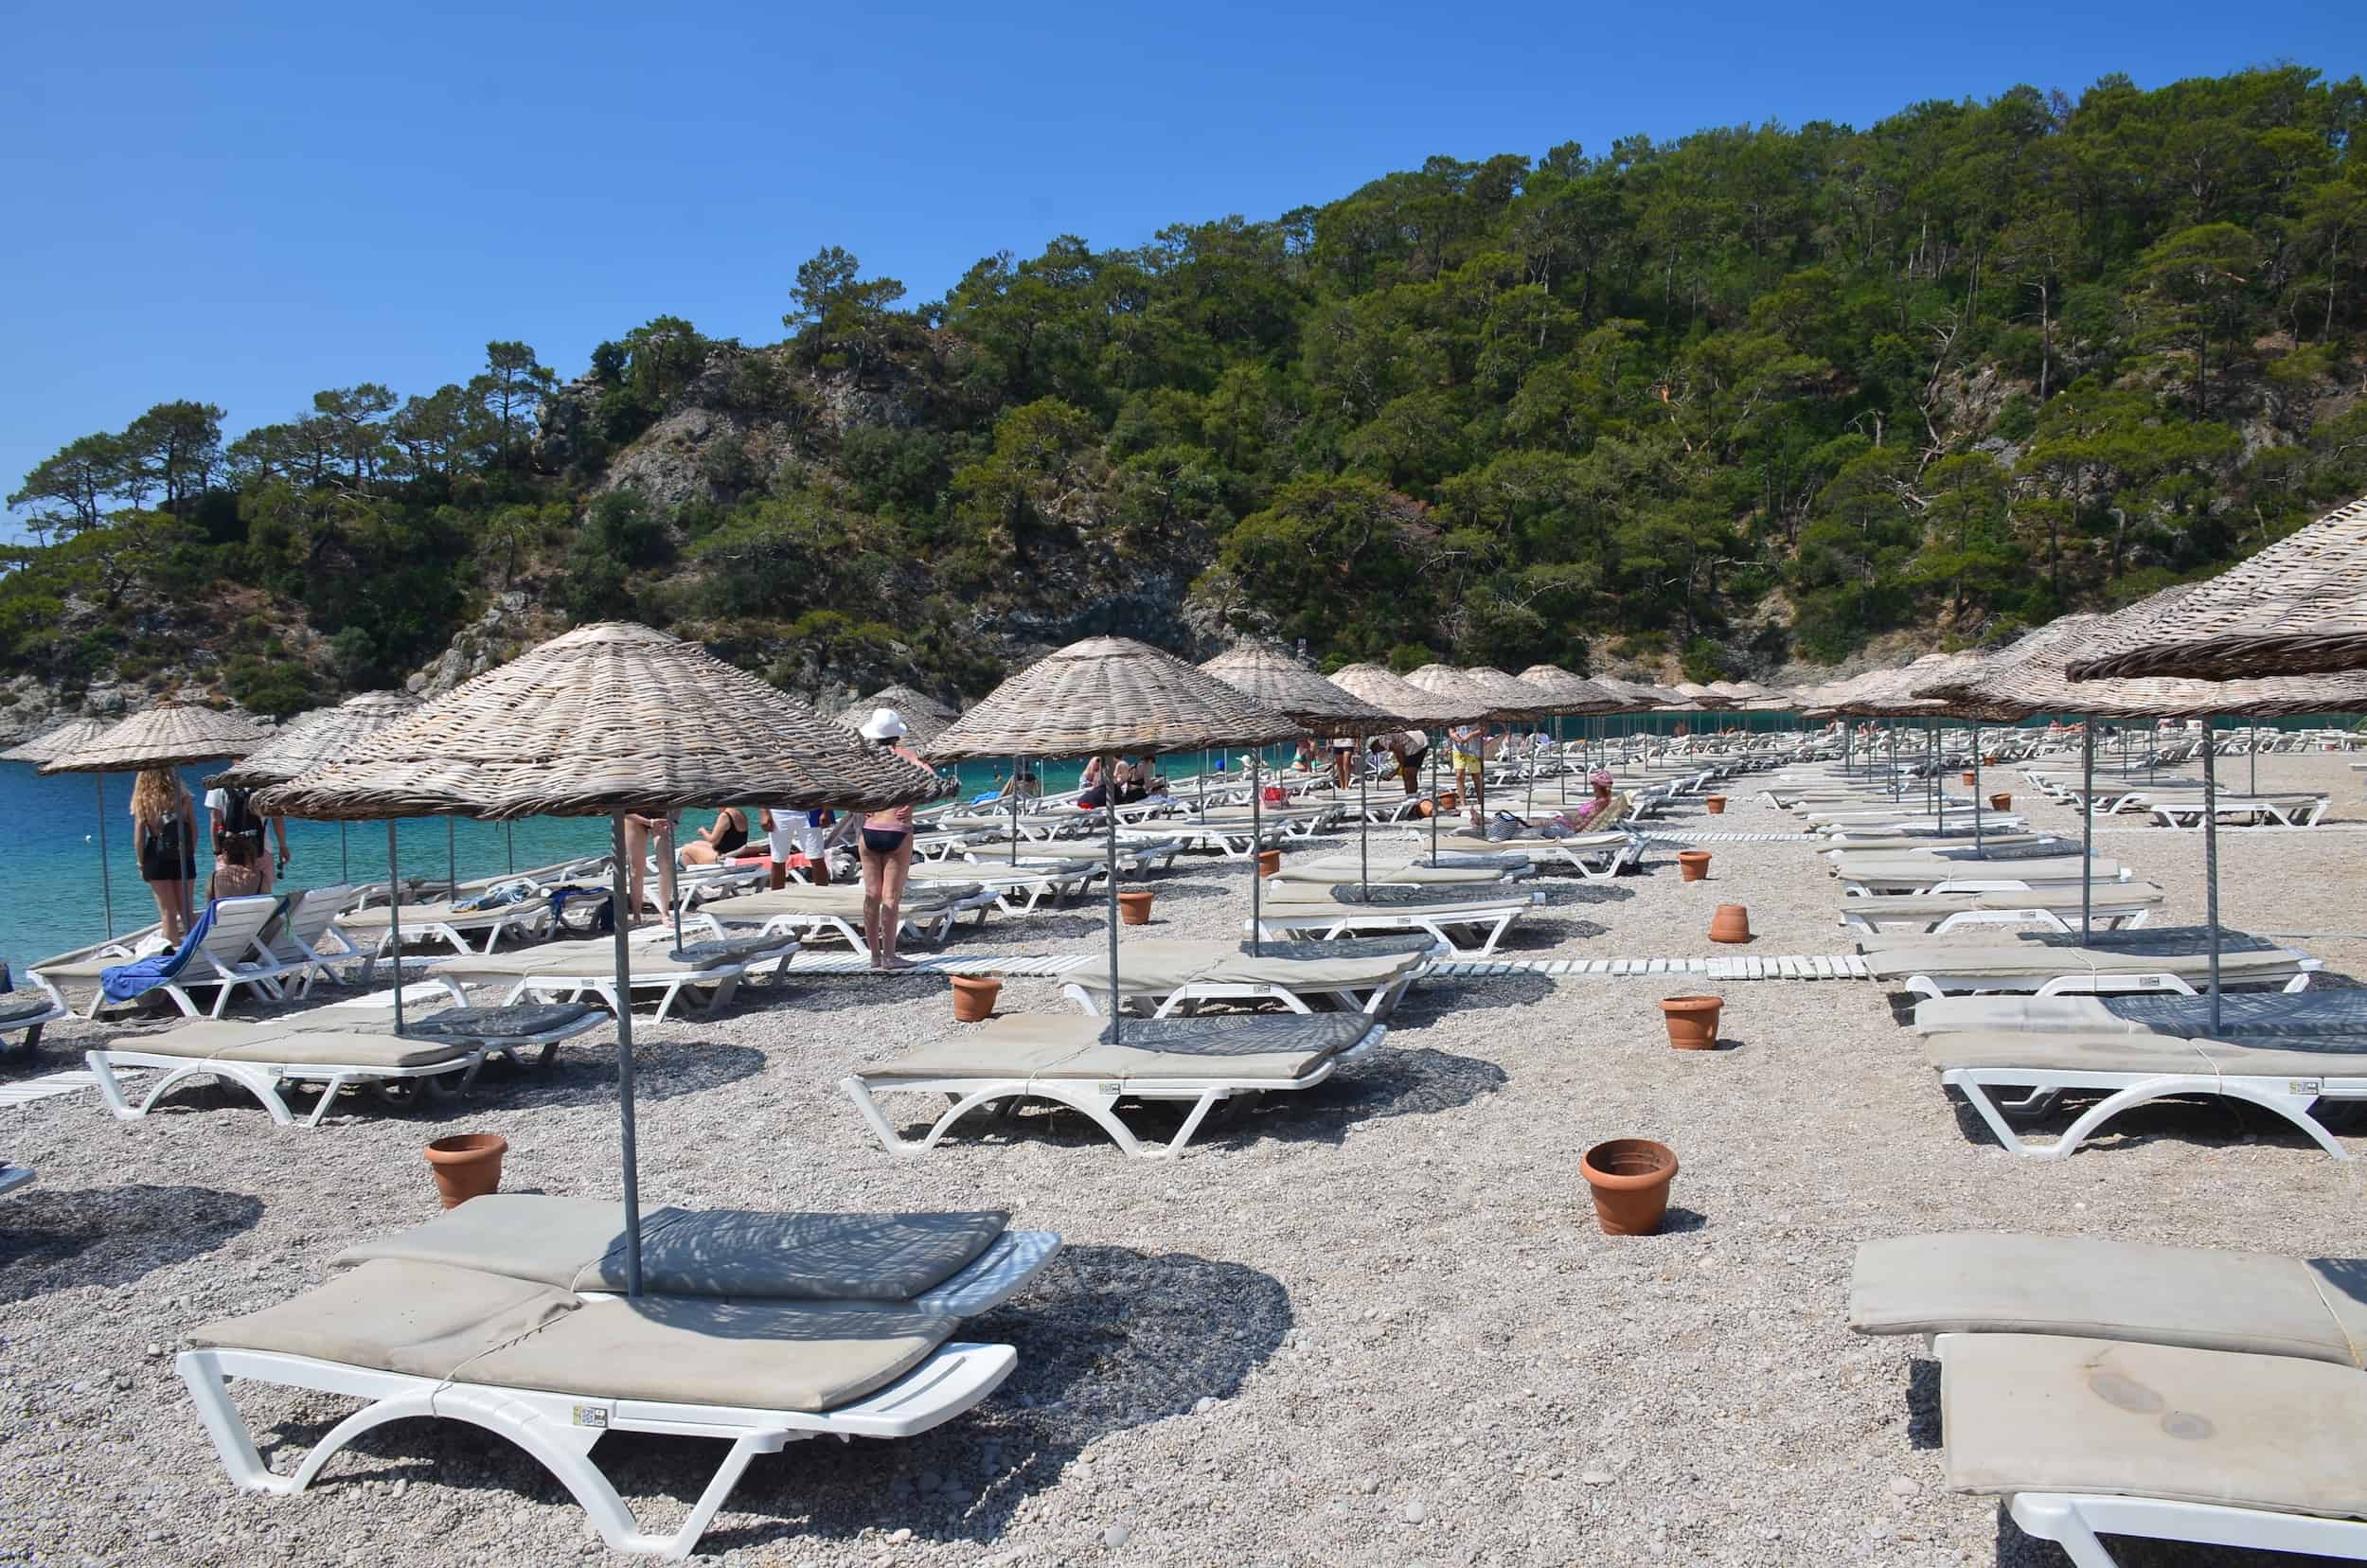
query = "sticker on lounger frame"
{"x": 2304, "y": 1086}
{"x": 588, "y": 1416}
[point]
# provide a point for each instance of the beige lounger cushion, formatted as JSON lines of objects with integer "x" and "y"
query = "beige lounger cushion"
{"x": 432, "y": 1321}
{"x": 578, "y": 1244}
{"x": 1156, "y": 968}
{"x": 1936, "y": 906}
{"x": 2125, "y": 1053}
{"x": 843, "y": 901}
{"x": 2250, "y": 1017}
{"x": 2258, "y": 1302}
{"x": 577, "y": 960}
{"x": 265, "y": 1043}
{"x": 1344, "y": 868}
{"x": 1889, "y": 957}
{"x": 1300, "y": 898}
{"x": 1068, "y": 1047}
{"x": 1890, "y": 865}
{"x": 763, "y": 1355}
{"x": 418, "y": 1318}
{"x": 377, "y": 919}
{"x": 2040, "y": 1413}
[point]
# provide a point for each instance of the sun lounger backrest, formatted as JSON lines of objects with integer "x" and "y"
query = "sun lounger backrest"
{"x": 238, "y": 923}
{"x": 307, "y": 923}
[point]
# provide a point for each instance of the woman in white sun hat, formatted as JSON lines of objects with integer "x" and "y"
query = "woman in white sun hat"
{"x": 887, "y": 850}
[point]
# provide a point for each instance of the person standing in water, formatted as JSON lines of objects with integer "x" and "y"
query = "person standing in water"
{"x": 164, "y": 836}
{"x": 887, "y": 850}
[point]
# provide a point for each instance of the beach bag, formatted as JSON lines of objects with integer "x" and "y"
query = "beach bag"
{"x": 1504, "y": 825}
{"x": 1273, "y": 794}
{"x": 238, "y": 814}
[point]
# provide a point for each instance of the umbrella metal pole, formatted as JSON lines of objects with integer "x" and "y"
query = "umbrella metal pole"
{"x": 1257, "y": 844}
{"x": 394, "y": 918}
{"x": 452, "y": 860}
{"x": 2210, "y": 862}
{"x": 621, "y": 889}
{"x": 1109, "y": 842}
{"x": 1434, "y": 807}
{"x": 2087, "y": 827}
{"x": 344, "y": 856}
{"x": 1364, "y": 830}
{"x": 106, "y": 885}
{"x": 1976, "y": 791}
{"x": 2254, "y": 749}
{"x": 510, "y": 844}
{"x": 1014, "y": 857}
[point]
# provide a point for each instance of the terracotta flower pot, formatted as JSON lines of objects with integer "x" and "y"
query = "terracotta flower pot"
{"x": 973, "y": 998}
{"x": 1730, "y": 923}
{"x": 2001, "y": 803}
{"x": 1629, "y": 1178}
{"x": 1715, "y": 803}
{"x": 1134, "y": 908}
{"x": 1692, "y": 1021}
{"x": 467, "y": 1165}
{"x": 1270, "y": 862}
{"x": 1695, "y": 864}
{"x": 1971, "y": 778}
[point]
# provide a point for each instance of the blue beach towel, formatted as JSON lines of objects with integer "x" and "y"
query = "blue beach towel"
{"x": 141, "y": 975}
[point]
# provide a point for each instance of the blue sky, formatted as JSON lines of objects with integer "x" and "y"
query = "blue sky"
{"x": 246, "y": 204}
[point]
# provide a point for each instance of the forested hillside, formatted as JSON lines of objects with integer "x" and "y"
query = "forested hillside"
{"x": 1748, "y": 399}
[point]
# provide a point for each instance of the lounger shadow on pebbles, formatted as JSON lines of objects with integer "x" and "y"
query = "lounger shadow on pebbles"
{"x": 668, "y": 1070}
{"x": 113, "y": 1237}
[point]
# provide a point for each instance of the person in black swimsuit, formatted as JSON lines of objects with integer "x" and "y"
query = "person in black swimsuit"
{"x": 728, "y": 834}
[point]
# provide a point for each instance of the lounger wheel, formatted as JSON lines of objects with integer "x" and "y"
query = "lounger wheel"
{"x": 396, "y": 1094}
{"x": 2036, "y": 1106}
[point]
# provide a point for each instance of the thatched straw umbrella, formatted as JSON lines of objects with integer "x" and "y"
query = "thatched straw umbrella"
{"x": 1102, "y": 697}
{"x": 54, "y": 742}
{"x": 318, "y": 737}
{"x": 1266, "y": 674}
{"x": 1439, "y": 709}
{"x": 169, "y": 735}
{"x": 609, "y": 718}
{"x": 2297, "y": 608}
{"x": 1574, "y": 697}
{"x": 925, "y": 717}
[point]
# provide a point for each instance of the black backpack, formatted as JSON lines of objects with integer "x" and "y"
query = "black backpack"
{"x": 237, "y": 817}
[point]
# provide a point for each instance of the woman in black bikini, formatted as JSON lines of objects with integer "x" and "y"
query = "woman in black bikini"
{"x": 728, "y": 833}
{"x": 164, "y": 834}
{"x": 887, "y": 852}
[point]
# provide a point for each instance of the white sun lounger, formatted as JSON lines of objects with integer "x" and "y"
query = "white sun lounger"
{"x": 2303, "y": 810}
{"x": 1925, "y": 873}
{"x": 2008, "y": 1282}
{"x": 2166, "y": 958}
{"x": 1176, "y": 976}
{"x": 373, "y": 929}
{"x": 263, "y": 1058}
{"x": 2113, "y": 905}
{"x": 1398, "y": 866}
{"x": 2244, "y": 1015}
{"x": 1330, "y": 913}
{"x": 227, "y": 960}
{"x": 553, "y": 1372}
{"x": 569, "y": 971}
{"x": 1020, "y": 889}
{"x": 2086, "y": 1438}
{"x": 928, "y": 914}
{"x": 2283, "y": 1077}
{"x": 30, "y": 1011}
{"x": 1202, "y": 1062}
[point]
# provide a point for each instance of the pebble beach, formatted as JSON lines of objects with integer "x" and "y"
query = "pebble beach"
{"x": 1372, "y": 1323}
